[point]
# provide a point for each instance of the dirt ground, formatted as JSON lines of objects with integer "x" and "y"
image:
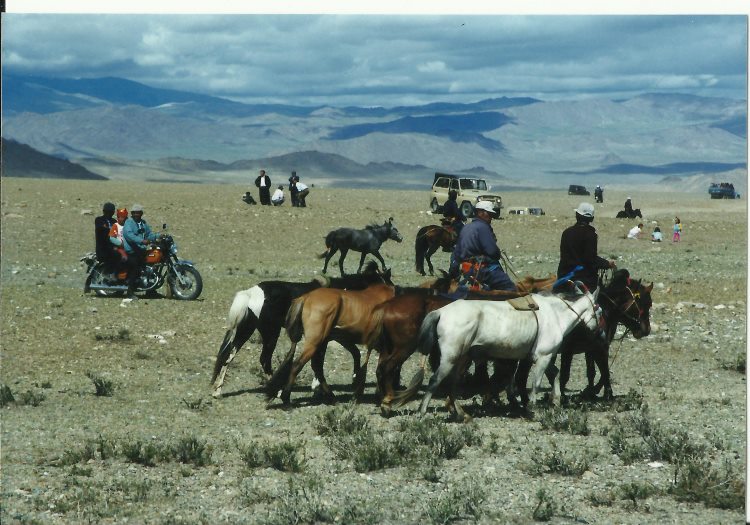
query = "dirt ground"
{"x": 68, "y": 454}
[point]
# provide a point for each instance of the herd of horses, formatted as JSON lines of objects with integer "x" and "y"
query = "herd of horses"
{"x": 450, "y": 327}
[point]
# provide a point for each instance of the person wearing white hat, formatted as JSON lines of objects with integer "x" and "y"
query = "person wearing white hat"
{"x": 476, "y": 257}
{"x": 136, "y": 234}
{"x": 578, "y": 250}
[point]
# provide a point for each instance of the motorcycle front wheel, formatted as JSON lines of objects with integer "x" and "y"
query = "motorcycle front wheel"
{"x": 189, "y": 286}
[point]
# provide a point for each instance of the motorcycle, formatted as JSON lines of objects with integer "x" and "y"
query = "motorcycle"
{"x": 162, "y": 265}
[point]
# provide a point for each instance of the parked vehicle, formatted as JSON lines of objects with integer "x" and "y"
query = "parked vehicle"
{"x": 575, "y": 189}
{"x": 470, "y": 190}
{"x": 162, "y": 266}
{"x": 722, "y": 190}
{"x": 525, "y": 210}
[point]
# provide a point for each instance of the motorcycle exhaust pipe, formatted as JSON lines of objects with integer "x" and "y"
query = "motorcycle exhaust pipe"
{"x": 110, "y": 287}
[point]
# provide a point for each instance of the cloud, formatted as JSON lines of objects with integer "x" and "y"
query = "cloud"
{"x": 387, "y": 60}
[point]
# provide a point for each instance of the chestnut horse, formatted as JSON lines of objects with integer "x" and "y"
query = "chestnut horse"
{"x": 395, "y": 324}
{"x": 264, "y": 307}
{"x": 328, "y": 314}
{"x": 429, "y": 239}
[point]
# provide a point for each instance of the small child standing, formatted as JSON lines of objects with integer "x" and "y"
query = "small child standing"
{"x": 677, "y": 230}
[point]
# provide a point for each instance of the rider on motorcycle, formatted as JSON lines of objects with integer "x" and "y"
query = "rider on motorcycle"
{"x": 137, "y": 235}
{"x": 102, "y": 225}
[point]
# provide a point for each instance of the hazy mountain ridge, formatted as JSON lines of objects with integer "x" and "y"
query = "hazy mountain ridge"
{"x": 523, "y": 141}
{"x": 20, "y": 160}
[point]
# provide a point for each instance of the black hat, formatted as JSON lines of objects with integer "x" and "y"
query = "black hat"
{"x": 108, "y": 207}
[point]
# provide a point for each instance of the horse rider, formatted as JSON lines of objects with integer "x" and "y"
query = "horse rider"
{"x": 578, "y": 251}
{"x": 629, "y": 207}
{"x": 452, "y": 213}
{"x": 476, "y": 257}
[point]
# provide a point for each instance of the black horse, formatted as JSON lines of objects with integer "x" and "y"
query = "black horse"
{"x": 265, "y": 305}
{"x": 365, "y": 241}
{"x": 631, "y": 214}
{"x": 429, "y": 239}
{"x": 623, "y": 301}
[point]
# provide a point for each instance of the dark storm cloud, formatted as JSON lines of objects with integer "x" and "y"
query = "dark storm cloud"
{"x": 388, "y": 60}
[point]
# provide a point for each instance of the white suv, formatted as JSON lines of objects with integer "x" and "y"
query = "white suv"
{"x": 470, "y": 190}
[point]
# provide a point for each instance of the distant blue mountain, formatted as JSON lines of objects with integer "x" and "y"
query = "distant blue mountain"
{"x": 459, "y": 128}
{"x": 736, "y": 126}
{"x": 675, "y": 168}
{"x": 489, "y": 104}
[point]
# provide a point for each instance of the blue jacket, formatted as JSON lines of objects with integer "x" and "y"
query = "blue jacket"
{"x": 476, "y": 239}
{"x": 133, "y": 234}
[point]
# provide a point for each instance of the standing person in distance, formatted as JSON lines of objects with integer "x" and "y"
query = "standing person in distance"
{"x": 578, "y": 248}
{"x": 293, "y": 189}
{"x": 263, "y": 183}
{"x": 677, "y": 230}
{"x": 102, "y": 224}
{"x": 137, "y": 235}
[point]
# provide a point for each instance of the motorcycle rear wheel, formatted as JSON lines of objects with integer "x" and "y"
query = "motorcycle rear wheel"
{"x": 97, "y": 277}
{"x": 192, "y": 287}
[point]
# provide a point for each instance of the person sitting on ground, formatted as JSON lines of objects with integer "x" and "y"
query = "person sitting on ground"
{"x": 277, "y": 199}
{"x": 102, "y": 224}
{"x": 635, "y": 231}
{"x": 452, "y": 212}
{"x": 579, "y": 260}
{"x": 656, "y": 235}
{"x": 248, "y": 198}
{"x": 476, "y": 257}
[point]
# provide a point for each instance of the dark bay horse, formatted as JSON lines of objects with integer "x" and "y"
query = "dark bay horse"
{"x": 623, "y": 301}
{"x": 429, "y": 239}
{"x": 394, "y": 327}
{"x": 365, "y": 241}
{"x": 323, "y": 315}
{"x": 625, "y": 214}
{"x": 264, "y": 307}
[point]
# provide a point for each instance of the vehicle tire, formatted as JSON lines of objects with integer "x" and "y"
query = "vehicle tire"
{"x": 434, "y": 206}
{"x": 467, "y": 209}
{"x": 193, "y": 283}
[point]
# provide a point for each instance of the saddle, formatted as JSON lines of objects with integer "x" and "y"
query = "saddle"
{"x": 470, "y": 273}
{"x": 524, "y": 303}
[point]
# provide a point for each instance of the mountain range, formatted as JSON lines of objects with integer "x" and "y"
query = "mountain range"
{"x": 123, "y": 129}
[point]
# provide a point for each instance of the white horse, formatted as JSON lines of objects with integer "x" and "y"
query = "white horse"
{"x": 466, "y": 330}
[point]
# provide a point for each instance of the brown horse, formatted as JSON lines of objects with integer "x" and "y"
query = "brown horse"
{"x": 327, "y": 314}
{"x": 395, "y": 324}
{"x": 429, "y": 239}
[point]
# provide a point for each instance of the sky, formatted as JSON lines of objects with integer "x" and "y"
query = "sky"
{"x": 388, "y": 59}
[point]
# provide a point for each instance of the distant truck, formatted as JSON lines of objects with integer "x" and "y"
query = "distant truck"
{"x": 722, "y": 190}
{"x": 575, "y": 189}
{"x": 470, "y": 190}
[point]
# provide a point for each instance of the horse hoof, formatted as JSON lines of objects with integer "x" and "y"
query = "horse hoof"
{"x": 216, "y": 394}
{"x": 385, "y": 411}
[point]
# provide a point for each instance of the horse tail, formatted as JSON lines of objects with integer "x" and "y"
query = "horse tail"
{"x": 420, "y": 247}
{"x": 240, "y": 326}
{"x": 427, "y": 345}
{"x": 294, "y": 326}
{"x": 329, "y": 244}
{"x": 374, "y": 336}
